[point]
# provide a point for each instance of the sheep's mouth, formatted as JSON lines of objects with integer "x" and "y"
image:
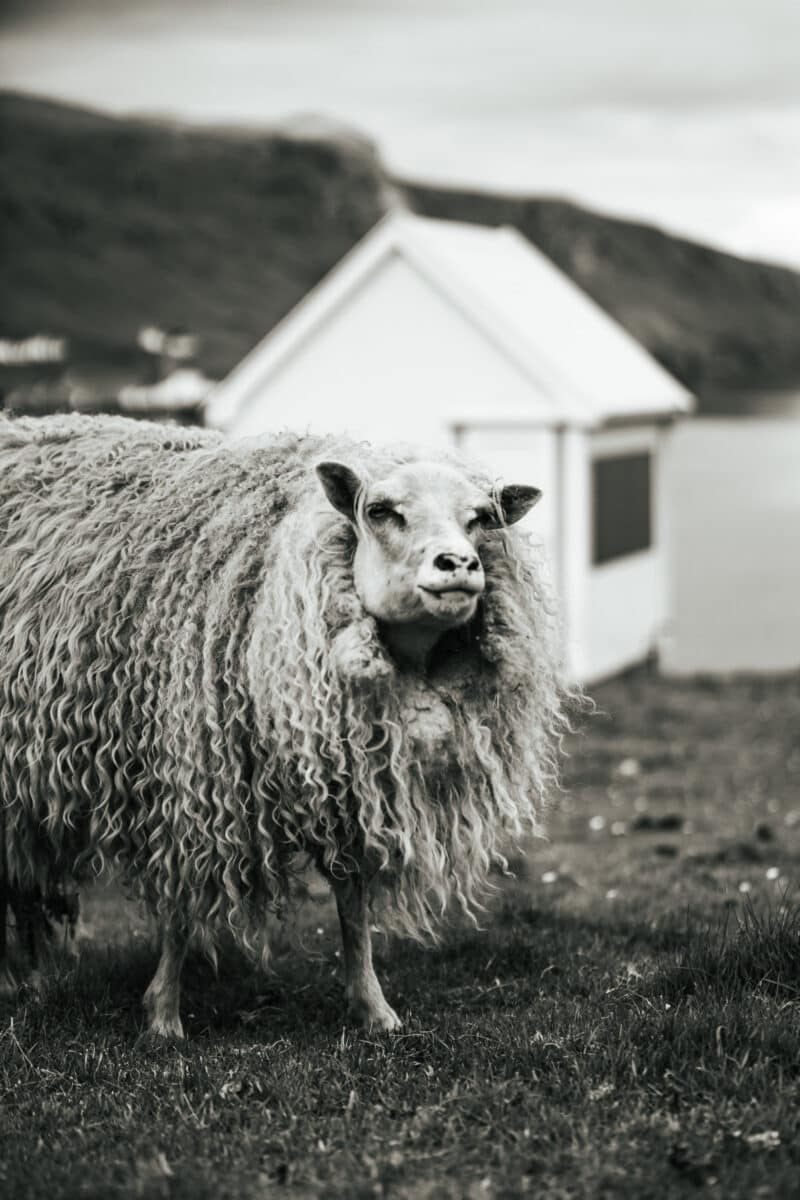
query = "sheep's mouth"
{"x": 453, "y": 605}
{"x": 460, "y": 589}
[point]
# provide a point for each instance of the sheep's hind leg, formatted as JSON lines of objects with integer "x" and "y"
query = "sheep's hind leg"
{"x": 8, "y": 983}
{"x": 365, "y": 999}
{"x": 162, "y": 998}
{"x": 33, "y": 931}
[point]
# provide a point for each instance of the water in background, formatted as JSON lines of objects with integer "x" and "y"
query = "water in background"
{"x": 734, "y": 533}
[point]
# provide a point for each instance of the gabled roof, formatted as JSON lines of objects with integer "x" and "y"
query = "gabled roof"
{"x": 590, "y": 368}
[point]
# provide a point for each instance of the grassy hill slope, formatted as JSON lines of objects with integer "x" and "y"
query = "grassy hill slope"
{"x": 111, "y": 224}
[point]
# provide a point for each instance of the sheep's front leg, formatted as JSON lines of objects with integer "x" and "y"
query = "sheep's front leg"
{"x": 365, "y": 1000}
{"x": 162, "y": 998}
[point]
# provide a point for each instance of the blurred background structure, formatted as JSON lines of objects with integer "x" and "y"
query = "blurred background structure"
{"x": 225, "y": 256}
{"x": 449, "y": 333}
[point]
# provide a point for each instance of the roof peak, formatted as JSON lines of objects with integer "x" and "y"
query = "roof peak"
{"x": 569, "y": 347}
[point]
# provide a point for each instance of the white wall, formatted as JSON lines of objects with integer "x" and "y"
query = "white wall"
{"x": 523, "y": 455}
{"x": 395, "y": 361}
{"x": 623, "y": 605}
{"x": 734, "y": 538}
{"x": 572, "y": 447}
{"x": 613, "y": 614}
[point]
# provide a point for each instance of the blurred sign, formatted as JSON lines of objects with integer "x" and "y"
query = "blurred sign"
{"x": 37, "y": 349}
{"x": 175, "y": 344}
{"x": 185, "y": 388}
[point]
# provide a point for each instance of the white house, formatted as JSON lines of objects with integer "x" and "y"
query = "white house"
{"x": 444, "y": 333}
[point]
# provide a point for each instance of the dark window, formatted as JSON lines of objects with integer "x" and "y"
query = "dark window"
{"x": 621, "y": 498}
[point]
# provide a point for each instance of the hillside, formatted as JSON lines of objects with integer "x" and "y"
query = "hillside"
{"x": 111, "y": 224}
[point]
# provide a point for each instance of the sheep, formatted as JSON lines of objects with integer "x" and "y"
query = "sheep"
{"x": 219, "y": 660}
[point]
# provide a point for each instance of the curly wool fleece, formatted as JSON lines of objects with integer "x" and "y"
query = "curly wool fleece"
{"x": 191, "y": 692}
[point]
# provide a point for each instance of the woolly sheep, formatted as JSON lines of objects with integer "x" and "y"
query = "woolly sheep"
{"x": 212, "y": 666}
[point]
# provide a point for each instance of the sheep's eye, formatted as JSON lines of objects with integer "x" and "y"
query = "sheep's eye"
{"x": 482, "y": 520}
{"x": 383, "y": 514}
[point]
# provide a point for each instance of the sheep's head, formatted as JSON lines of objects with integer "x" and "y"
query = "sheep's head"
{"x": 420, "y": 529}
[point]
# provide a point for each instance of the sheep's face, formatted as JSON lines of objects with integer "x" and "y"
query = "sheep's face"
{"x": 417, "y": 565}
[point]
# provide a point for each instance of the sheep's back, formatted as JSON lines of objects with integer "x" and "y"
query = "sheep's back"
{"x": 130, "y": 556}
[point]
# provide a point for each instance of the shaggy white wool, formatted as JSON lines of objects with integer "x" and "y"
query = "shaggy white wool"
{"x": 191, "y": 691}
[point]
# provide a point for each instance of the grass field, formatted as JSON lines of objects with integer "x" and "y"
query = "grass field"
{"x": 626, "y": 1023}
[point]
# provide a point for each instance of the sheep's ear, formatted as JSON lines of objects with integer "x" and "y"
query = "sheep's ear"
{"x": 515, "y": 500}
{"x": 341, "y": 486}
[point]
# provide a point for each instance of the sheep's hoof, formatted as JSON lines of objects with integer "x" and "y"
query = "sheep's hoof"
{"x": 386, "y": 1021}
{"x": 162, "y": 1024}
{"x": 9, "y": 984}
{"x": 166, "y": 1029}
{"x": 376, "y": 1018}
{"x": 33, "y": 982}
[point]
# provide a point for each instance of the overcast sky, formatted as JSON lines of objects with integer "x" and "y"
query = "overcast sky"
{"x": 683, "y": 112}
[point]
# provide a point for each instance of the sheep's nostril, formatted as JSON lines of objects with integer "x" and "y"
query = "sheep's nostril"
{"x": 456, "y": 562}
{"x": 447, "y": 562}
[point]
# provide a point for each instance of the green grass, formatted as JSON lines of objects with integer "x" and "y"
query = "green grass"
{"x": 627, "y": 1022}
